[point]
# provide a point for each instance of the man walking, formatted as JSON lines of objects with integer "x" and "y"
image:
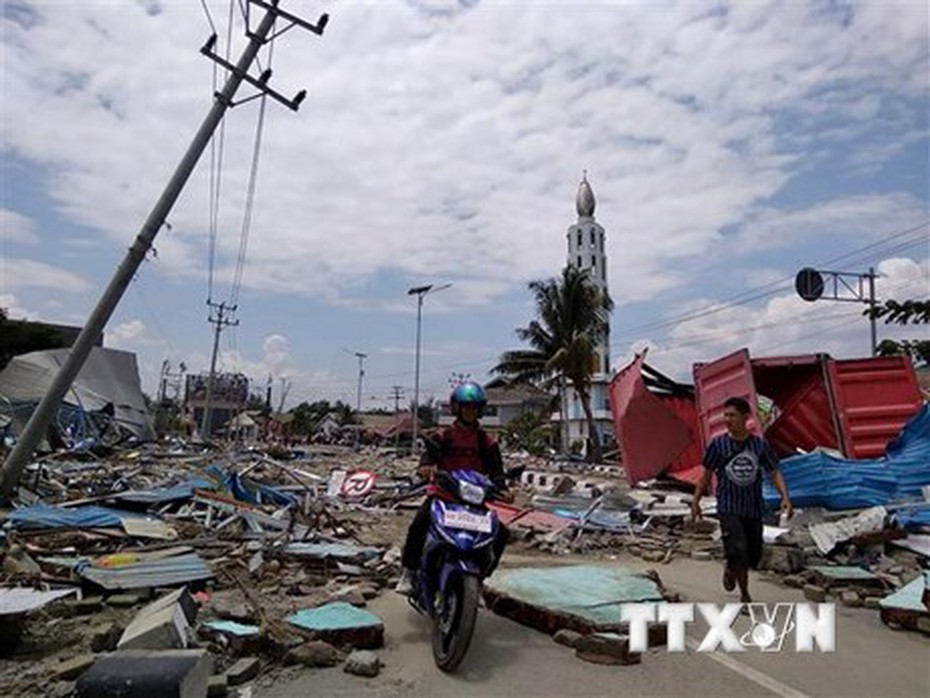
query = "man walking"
{"x": 738, "y": 459}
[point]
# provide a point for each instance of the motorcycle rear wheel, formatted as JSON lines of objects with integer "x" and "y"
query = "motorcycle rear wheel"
{"x": 454, "y": 623}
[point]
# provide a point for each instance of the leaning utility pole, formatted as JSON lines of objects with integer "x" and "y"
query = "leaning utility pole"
{"x": 221, "y": 321}
{"x": 223, "y": 100}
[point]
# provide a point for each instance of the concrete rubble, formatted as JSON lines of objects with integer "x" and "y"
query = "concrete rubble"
{"x": 236, "y": 564}
{"x": 167, "y": 550}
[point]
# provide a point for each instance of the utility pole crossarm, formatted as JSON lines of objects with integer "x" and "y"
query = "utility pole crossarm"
{"x": 260, "y": 83}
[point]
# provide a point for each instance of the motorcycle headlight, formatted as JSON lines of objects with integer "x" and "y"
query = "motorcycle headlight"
{"x": 471, "y": 493}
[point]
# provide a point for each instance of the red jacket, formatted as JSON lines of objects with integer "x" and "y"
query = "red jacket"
{"x": 461, "y": 447}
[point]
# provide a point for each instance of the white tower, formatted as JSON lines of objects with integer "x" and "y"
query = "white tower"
{"x": 586, "y": 250}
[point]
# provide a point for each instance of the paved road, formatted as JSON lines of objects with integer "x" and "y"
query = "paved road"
{"x": 507, "y": 659}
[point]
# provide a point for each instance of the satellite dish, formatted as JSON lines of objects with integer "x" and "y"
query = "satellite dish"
{"x": 809, "y": 284}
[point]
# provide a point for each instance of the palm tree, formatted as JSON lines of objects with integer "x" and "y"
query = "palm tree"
{"x": 571, "y": 316}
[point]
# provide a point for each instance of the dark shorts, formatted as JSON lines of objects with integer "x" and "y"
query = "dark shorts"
{"x": 742, "y": 541}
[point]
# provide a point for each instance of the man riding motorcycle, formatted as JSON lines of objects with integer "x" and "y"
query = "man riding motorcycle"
{"x": 462, "y": 446}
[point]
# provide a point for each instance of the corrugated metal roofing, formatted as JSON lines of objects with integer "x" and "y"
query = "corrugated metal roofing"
{"x": 818, "y": 479}
{"x": 874, "y": 398}
{"x": 166, "y": 572}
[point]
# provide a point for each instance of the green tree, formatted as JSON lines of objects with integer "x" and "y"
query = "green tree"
{"x": 531, "y": 431}
{"x": 918, "y": 350}
{"x": 915, "y": 312}
{"x": 426, "y": 411}
{"x": 571, "y": 316}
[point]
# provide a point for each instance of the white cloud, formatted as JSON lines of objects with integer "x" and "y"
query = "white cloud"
{"x": 443, "y": 141}
{"x": 13, "y": 309}
{"x": 841, "y": 220}
{"x": 23, "y": 273}
{"x": 15, "y": 227}
{"x": 445, "y": 138}
{"x": 127, "y": 336}
{"x": 787, "y": 325}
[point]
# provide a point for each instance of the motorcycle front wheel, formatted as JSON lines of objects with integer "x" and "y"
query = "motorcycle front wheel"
{"x": 454, "y": 622}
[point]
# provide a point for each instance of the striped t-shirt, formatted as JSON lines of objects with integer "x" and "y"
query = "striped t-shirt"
{"x": 738, "y": 466}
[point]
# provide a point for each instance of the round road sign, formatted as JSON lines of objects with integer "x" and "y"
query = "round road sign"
{"x": 358, "y": 484}
{"x": 809, "y": 284}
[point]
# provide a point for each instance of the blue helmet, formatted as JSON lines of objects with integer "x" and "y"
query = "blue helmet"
{"x": 468, "y": 393}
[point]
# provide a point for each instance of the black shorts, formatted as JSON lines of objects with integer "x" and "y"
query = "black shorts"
{"x": 742, "y": 541}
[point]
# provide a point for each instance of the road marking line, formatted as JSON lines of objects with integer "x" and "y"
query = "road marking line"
{"x": 754, "y": 675}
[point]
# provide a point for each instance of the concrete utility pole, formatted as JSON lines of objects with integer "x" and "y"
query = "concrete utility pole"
{"x": 50, "y": 403}
{"x": 221, "y": 321}
{"x": 358, "y": 396}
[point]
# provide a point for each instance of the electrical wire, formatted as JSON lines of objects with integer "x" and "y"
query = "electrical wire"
{"x": 206, "y": 10}
{"x": 250, "y": 195}
{"x": 780, "y": 285}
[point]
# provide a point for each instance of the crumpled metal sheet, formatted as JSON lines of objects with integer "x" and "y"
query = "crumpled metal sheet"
{"x": 17, "y": 601}
{"x": 44, "y": 516}
{"x": 827, "y": 535}
{"x": 169, "y": 571}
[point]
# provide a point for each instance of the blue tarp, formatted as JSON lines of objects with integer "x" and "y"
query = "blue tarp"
{"x": 44, "y": 516}
{"x": 240, "y": 488}
{"x": 246, "y": 490}
{"x": 165, "y": 495}
{"x": 817, "y": 479}
{"x": 914, "y": 518}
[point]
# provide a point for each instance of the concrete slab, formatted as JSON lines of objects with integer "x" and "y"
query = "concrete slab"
{"x": 828, "y": 576}
{"x": 243, "y": 670}
{"x": 606, "y": 648}
{"x": 72, "y": 668}
{"x": 163, "y": 624}
{"x": 341, "y": 624}
{"x": 582, "y": 598}
{"x": 144, "y": 674}
{"x": 905, "y": 608}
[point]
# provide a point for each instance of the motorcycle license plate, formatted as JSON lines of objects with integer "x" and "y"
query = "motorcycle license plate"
{"x": 468, "y": 521}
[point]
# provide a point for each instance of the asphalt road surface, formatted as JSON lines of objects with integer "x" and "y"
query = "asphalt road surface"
{"x": 507, "y": 659}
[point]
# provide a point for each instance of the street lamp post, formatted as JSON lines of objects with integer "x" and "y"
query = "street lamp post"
{"x": 419, "y": 292}
{"x": 358, "y": 395}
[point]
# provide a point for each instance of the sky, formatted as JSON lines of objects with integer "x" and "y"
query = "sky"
{"x": 442, "y": 141}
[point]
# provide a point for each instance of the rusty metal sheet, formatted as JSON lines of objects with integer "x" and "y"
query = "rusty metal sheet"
{"x": 806, "y": 421}
{"x": 529, "y": 518}
{"x": 875, "y": 397}
{"x": 652, "y": 436}
{"x": 730, "y": 376}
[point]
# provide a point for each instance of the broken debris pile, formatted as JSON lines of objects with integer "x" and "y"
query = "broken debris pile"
{"x": 208, "y": 563}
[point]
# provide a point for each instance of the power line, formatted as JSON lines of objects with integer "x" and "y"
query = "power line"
{"x": 250, "y": 195}
{"x": 206, "y": 10}
{"x": 774, "y": 287}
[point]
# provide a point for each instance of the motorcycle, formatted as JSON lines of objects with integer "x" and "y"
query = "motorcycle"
{"x": 458, "y": 556}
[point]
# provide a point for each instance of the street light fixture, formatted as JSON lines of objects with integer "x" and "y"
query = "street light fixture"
{"x": 419, "y": 292}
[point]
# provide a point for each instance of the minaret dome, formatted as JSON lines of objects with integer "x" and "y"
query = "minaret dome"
{"x": 584, "y": 202}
